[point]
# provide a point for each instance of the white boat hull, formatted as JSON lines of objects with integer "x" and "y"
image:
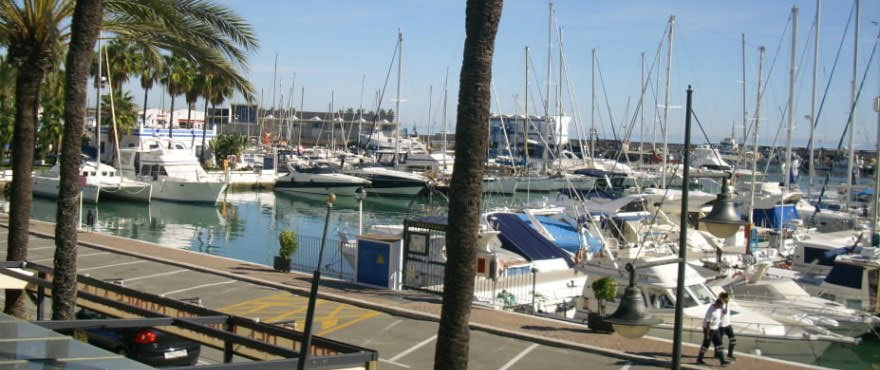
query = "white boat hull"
{"x": 132, "y": 191}
{"x": 347, "y": 190}
{"x": 186, "y": 191}
{"x": 48, "y": 187}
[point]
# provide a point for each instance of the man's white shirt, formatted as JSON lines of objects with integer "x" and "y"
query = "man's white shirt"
{"x": 725, "y": 316}
{"x": 713, "y": 317}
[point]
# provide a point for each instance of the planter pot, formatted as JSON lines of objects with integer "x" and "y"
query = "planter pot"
{"x": 597, "y": 323}
{"x": 281, "y": 264}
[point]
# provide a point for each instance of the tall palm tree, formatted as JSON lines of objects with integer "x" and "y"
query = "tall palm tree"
{"x": 215, "y": 89}
{"x": 84, "y": 29}
{"x": 192, "y": 90}
{"x": 34, "y": 33}
{"x": 177, "y": 78}
{"x": 453, "y": 335}
{"x": 199, "y": 29}
{"x": 122, "y": 56}
{"x": 31, "y": 31}
{"x": 150, "y": 67}
{"x": 7, "y": 104}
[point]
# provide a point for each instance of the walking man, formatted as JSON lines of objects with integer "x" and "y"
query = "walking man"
{"x": 726, "y": 328}
{"x": 711, "y": 333}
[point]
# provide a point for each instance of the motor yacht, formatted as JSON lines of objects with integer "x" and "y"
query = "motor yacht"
{"x": 319, "y": 179}
{"x": 99, "y": 180}
{"x": 175, "y": 174}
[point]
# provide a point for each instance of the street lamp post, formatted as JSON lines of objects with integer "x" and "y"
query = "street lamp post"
{"x": 313, "y": 294}
{"x": 631, "y": 319}
{"x": 360, "y": 194}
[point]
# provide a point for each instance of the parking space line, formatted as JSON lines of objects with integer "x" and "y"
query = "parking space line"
{"x": 113, "y": 265}
{"x": 154, "y": 275}
{"x": 40, "y": 248}
{"x": 518, "y": 357}
{"x": 626, "y": 366}
{"x": 382, "y": 332}
{"x": 394, "y": 363}
{"x": 79, "y": 256}
{"x": 413, "y": 348}
{"x": 197, "y": 287}
{"x": 363, "y": 317}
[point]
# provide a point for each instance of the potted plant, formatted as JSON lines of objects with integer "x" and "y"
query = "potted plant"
{"x": 605, "y": 290}
{"x": 289, "y": 243}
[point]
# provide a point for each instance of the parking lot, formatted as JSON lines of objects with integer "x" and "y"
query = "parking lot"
{"x": 402, "y": 343}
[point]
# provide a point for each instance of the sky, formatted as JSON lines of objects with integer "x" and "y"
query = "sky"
{"x": 332, "y": 46}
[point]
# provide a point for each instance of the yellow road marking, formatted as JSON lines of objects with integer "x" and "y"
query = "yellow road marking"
{"x": 277, "y": 307}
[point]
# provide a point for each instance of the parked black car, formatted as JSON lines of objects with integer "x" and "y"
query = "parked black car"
{"x": 147, "y": 345}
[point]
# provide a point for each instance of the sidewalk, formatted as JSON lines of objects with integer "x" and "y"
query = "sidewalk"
{"x": 411, "y": 304}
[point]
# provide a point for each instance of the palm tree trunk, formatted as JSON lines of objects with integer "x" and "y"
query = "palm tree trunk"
{"x": 27, "y": 98}
{"x": 144, "y": 119}
{"x": 189, "y": 109}
{"x": 204, "y": 133}
{"x": 453, "y": 335}
{"x": 171, "y": 121}
{"x": 85, "y": 26}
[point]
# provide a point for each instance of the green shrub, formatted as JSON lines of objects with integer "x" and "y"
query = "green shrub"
{"x": 289, "y": 241}
{"x": 605, "y": 290}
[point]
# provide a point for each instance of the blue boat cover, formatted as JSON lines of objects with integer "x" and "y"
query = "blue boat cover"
{"x": 776, "y": 217}
{"x": 519, "y": 237}
{"x": 566, "y": 235}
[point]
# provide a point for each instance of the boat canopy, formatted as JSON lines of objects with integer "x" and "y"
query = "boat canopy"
{"x": 519, "y": 237}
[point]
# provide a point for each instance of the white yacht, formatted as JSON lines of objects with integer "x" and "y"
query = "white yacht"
{"x": 784, "y": 300}
{"x": 175, "y": 174}
{"x": 754, "y": 331}
{"x": 705, "y": 157}
{"x": 319, "y": 179}
{"x": 100, "y": 179}
{"x": 387, "y": 181}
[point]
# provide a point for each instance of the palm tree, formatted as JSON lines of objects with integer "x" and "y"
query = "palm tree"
{"x": 125, "y": 110}
{"x": 216, "y": 89}
{"x": 51, "y": 120}
{"x": 31, "y": 31}
{"x": 453, "y": 335}
{"x": 150, "y": 67}
{"x": 176, "y": 79}
{"x": 122, "y": 56}
{"x": 200, "y": 30}
{"x": 192, "y": 90}
{"x": 7, "y": 104}
{"x": 84, "y": 31}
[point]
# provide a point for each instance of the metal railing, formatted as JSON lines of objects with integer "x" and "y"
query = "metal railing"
{"x": 339, "y": 257}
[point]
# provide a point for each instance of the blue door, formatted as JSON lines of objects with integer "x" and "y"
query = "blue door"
{"x": 373, "y": 262}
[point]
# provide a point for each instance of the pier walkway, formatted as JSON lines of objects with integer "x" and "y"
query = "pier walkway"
{"x": 402, "y": 326}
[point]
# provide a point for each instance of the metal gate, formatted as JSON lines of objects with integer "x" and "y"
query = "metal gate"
{"x": 424, "y": 254}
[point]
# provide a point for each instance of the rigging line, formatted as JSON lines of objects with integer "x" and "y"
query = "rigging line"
{"x": 382, "y": 93}
{"x": 802, "y": 61}
{"x": 831, "y": 75}
{"x": 850, "y": 124}
{"x": 703, "y": 130}
{"x": 645, "y": 85}
{"x": 537, "y": 83}
{"x": 607, "y": 102}
{"x": 657, "y": 211}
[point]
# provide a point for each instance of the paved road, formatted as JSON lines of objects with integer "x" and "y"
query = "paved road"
{"x": 402, "y": 343}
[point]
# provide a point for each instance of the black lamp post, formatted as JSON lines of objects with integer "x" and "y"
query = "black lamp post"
{"x": 313, "y": 294}
{"x": 631, "y": 319}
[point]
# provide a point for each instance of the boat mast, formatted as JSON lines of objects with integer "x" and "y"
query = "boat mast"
{"x": 852, "y": 137}
{"x": 526, "y": 121}
{"x": 642, "y": 113}
{"x": 557, "y": 129}
{"x": 745, "y": 97}
{"x": 666, "y": 101}
{"x": 792, "y": 81}
{"x": 430, "y": 118}
{"x": 593, "y": 107}
{"x": 761, "y": 53}
{"x": 811, "y": 169}
{"x": 98, "y": 104}
{"x": 397, "y": 102}
{"x": 549, "y": 56}
{"x": 361, "y": 114}
{"x": 445, "y": 123}
{"x": 302, "y": 100}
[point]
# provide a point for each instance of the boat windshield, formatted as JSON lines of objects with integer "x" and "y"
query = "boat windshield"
{"x": 688, "y": 298}
{"x": 702, "y": 294}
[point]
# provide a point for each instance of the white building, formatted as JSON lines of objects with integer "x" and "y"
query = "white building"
{"x": 158, "y": 118}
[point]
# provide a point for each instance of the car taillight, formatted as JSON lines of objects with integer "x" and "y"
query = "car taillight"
{"x": 145, "y": 336}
